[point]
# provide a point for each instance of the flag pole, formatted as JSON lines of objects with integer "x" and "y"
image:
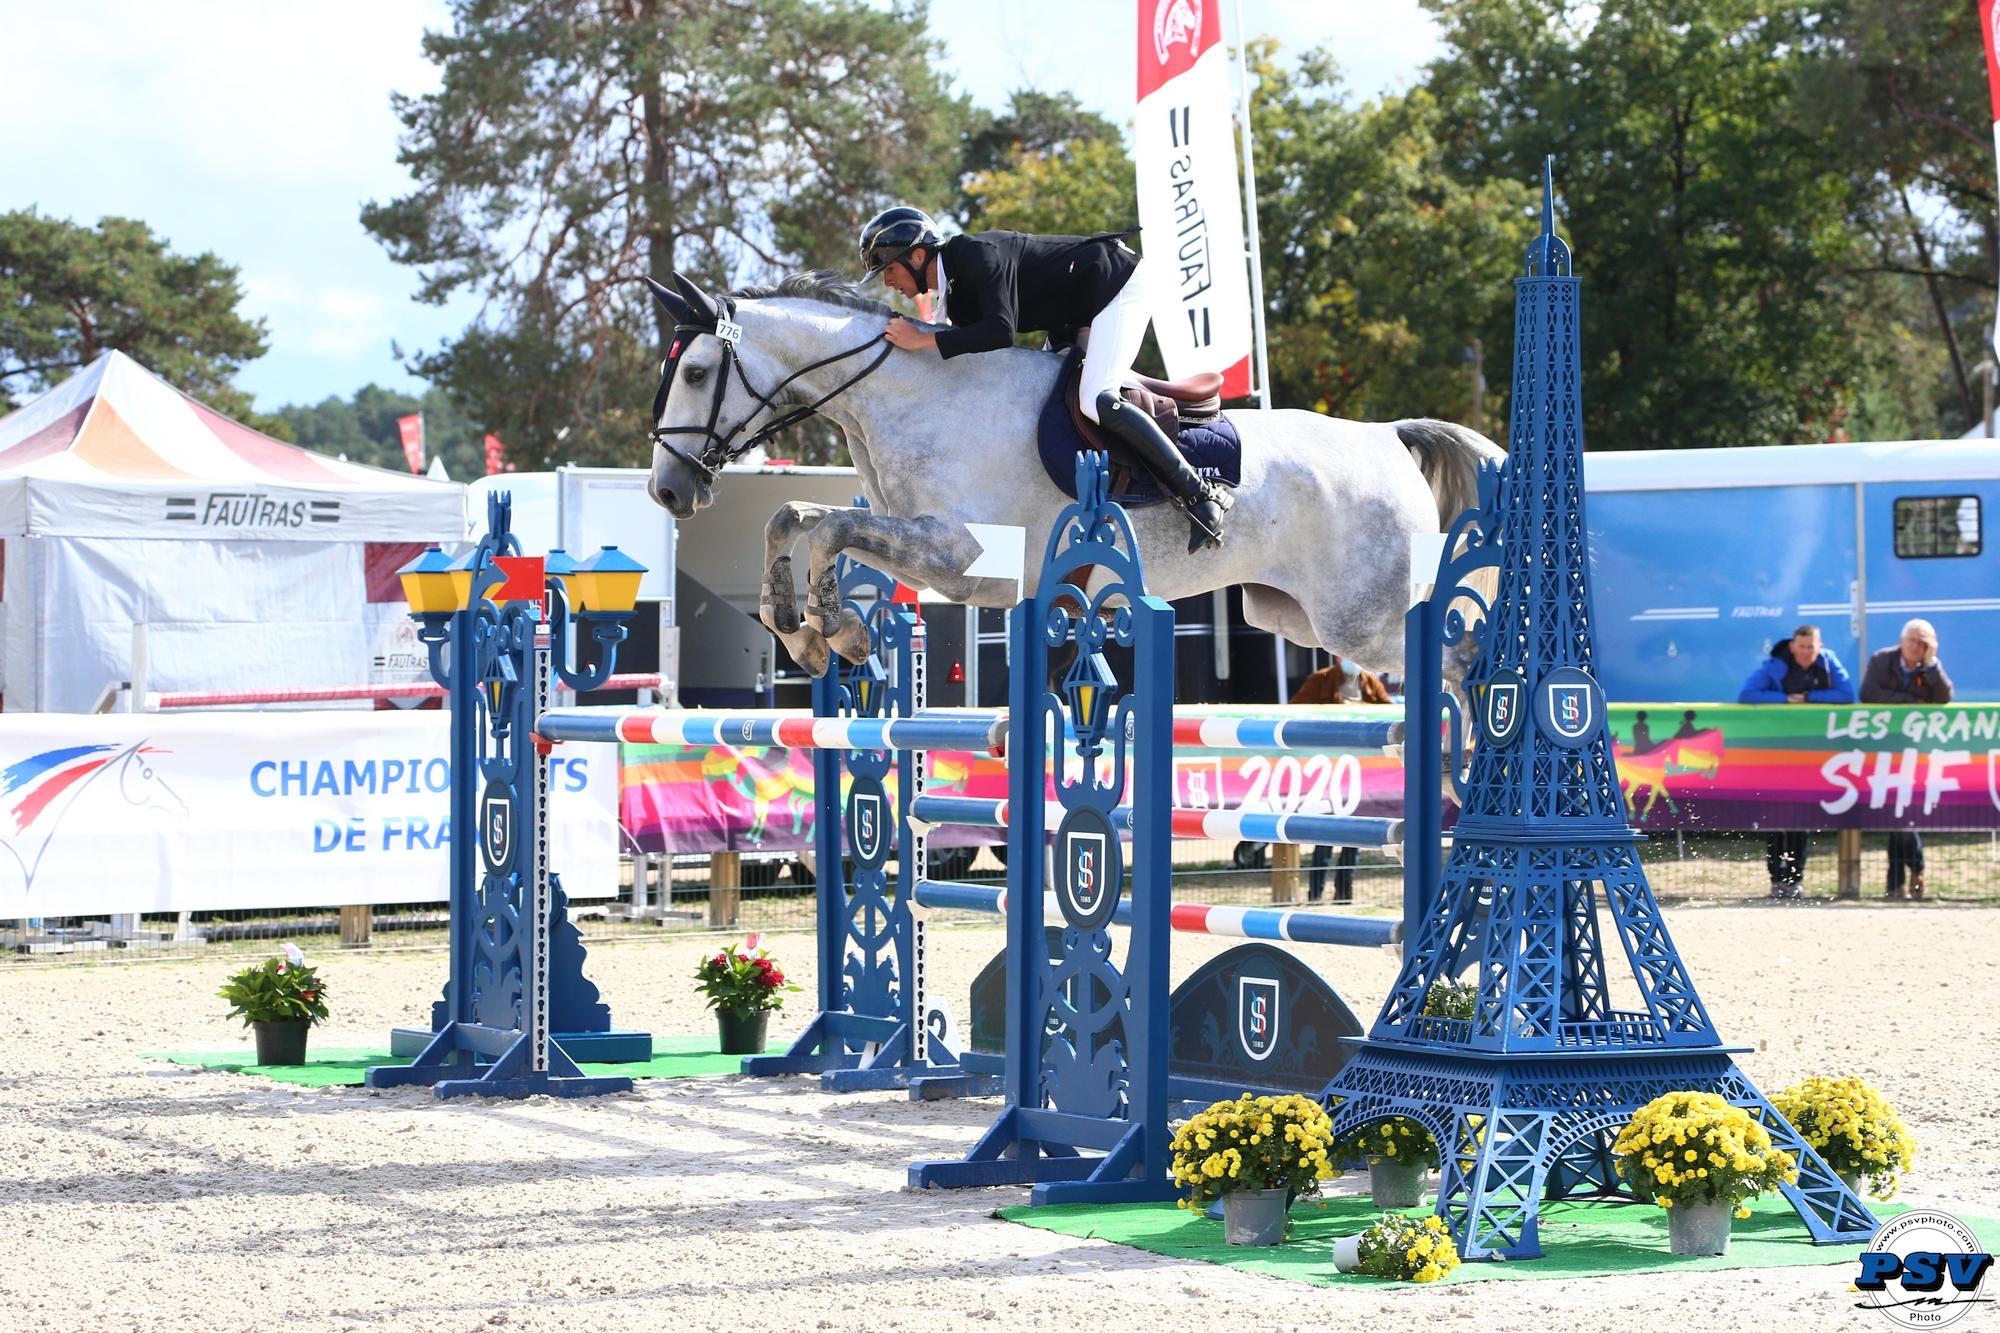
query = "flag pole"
{"x": 1260, "y": 378}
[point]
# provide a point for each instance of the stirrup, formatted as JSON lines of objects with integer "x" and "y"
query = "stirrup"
{"x": 1200, "y": 534}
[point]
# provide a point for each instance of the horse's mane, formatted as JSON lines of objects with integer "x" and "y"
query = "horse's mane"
{"x": 825, "y": 285}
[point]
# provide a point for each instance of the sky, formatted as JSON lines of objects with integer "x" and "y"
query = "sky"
{"x": 257, "y": 131}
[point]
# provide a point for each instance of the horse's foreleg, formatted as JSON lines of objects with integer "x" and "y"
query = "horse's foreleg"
{"x": 778, "y": 600}
{"x": 921, "y": 552}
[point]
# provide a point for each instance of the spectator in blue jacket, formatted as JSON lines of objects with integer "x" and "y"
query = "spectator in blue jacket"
{"x": 1799, "y": 671}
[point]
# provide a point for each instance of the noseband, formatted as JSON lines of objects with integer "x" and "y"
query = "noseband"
{"x": 717, "y": 450}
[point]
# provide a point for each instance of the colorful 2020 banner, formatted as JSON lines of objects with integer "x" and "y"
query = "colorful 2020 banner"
{"x": 1695, "y": 767}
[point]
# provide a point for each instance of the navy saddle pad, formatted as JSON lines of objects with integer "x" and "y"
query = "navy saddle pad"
{"x": 1212, "y": 448}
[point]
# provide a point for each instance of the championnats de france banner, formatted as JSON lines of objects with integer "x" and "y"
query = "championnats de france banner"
{"x": 1713, "y": 767}
{"x": 1190, "y": 200}
{"x": 209, "y": 811}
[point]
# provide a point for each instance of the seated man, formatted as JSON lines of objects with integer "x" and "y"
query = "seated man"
{"x": 1909, "y": 673}
{"x": 1798, "y": 671}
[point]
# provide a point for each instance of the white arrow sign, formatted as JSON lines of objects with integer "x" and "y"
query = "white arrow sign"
{"x": 1002, "y": 552}
{"x": 1426, "y": 552}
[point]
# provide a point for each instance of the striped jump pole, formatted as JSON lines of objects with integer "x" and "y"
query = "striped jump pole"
{"x": 982, "y": 732}
{"x": 1243, "y": 923}
{"x": 1299, "y": 733}
{"x": 1190, "y": 822}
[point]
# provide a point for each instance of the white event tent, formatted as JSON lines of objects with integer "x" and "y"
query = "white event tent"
{"x": 254, "y": 564}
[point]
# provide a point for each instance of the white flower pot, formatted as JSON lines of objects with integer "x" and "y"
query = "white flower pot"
{"x": 1699, "y": 1228}
{"x": 1396, "y": 1182}
{"x": 1254, "y": 1217}
{"x": 1347, "y": 1253}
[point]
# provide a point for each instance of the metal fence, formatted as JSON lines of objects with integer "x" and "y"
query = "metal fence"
{"x": 702, "y": 894}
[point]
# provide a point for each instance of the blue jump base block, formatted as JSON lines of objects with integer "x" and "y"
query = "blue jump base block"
{"x": 616, "y": 1046}
{"x": 450, "y": 1066}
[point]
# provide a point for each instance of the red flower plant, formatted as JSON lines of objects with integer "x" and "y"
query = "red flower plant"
{"x": 742, "y": 982}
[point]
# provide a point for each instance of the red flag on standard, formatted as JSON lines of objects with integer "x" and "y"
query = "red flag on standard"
{"x": 496, "y": 456}
{"x": 1190, "y": 200}
{"x": 411, "y": 428}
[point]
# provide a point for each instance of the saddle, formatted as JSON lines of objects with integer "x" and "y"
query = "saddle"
{"x": 1197, "y": 397}
{"x": 1189, "y": 411}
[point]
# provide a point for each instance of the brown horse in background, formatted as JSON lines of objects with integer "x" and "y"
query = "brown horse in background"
{"x": 1324, "y": 685}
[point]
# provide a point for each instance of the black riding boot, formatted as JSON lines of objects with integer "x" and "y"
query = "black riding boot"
{"x": 1202, "y": 503}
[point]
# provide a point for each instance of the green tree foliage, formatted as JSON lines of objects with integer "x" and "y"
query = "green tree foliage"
{"x": 364, "y": 429}
{"x": 73, "y": 292}
{"x": 574, "y": 148}
{"x": 1901, "y": 88}
{"x": 1380, "y": 267}
{"x": 1075, "y": 190}
{"x": 1029, "y": 161}
{"x": 1721, "y": 229}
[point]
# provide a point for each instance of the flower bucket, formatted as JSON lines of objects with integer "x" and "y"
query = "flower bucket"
{"x": 1347, "y": 1253}
{"x": 1254, "y": 1217}
{"x": 1699, "y": 1228}
{"x": 1394, "y": 1183}
{"x": 742, "y": 1030}
{"x": 281, "y": 1041}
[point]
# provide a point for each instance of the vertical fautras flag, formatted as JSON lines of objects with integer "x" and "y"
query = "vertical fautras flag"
{"x": 496, "y": 456}
{"x": 1987, "y": 18}
{"x": 412, "y": 430}
{"x": 1190, "y": 201}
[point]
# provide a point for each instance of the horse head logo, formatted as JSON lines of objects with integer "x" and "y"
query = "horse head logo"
{"x": 38, "y": 793}
{"x": 1174, "y": 22}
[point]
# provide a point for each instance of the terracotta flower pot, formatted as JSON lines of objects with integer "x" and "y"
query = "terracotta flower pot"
{"x": 742, "y": 1030}
{"x": 281, "y": 1041}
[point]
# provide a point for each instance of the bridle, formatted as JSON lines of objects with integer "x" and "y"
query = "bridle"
{"x": 718, "y": 450}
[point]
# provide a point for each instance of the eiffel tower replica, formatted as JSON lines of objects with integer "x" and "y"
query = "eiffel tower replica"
{"x": 1526, "y": 1097}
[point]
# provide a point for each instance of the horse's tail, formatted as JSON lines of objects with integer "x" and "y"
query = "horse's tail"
{"x": 1449, "y": 456}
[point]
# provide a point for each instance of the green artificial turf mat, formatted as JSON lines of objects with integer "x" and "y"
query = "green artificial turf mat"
{"x": 347, "y": 1066}
{"x": 1579, "y": 1239}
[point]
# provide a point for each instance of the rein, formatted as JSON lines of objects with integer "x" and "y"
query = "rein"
{"x": 718, "y": 449}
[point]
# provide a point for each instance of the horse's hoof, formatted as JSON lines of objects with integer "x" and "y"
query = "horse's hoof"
{"x": 815, "y": 659}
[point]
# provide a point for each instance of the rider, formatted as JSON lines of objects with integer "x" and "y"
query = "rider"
{"x": 999, "y": 282}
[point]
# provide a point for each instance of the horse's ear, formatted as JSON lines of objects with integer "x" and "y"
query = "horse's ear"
{"x": 697, "y": 299}
{"x": 671, "y": 302}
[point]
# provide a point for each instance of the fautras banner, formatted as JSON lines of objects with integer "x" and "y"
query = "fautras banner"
{"x": 150, "y": 813}
{"x": 1190, "y": 201}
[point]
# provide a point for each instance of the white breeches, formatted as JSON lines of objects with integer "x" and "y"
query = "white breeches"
{"x": 1115, "y": 338}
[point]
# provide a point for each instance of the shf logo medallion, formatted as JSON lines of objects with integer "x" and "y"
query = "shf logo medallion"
{"x": 1257, "y": 1015}
{"x": 1924, "y": 1269}
{"x": 1505, "y": 693}
{"x": 1569, "y": 708}
{"x": 1088, "y": 869}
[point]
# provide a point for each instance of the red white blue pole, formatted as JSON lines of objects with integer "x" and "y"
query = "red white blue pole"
{"x": 1243, "y": 923}
{"x": 1304, "y": 830}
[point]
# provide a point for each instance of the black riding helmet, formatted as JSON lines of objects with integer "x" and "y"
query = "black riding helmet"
{"x": 889, "y": 236}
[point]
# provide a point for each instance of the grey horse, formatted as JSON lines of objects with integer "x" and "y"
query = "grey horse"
{"x": 1318, "y": 538}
